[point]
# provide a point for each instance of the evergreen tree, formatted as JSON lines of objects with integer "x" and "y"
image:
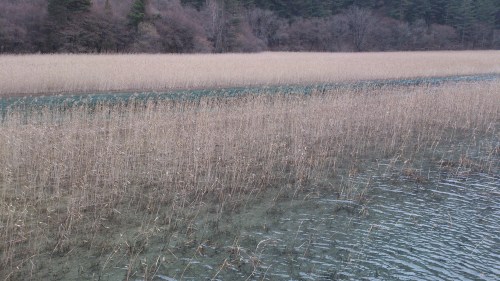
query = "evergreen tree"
{"x": 486, "y": 10}
{"x": 399, "y": 9}
{"x": 107, "y": 8}
{"x": 369, "y": 4}
{"x": 483, "y": 31}
{"x": 336, "y": 6}
{"x": 57, "y": 10}
{"x": 137, "y": 13}
{"x": 61, "y": 10}
{"x": 226, "y": 17}
{"x": 78, "y": 5}
{"x": 297, "y": 8}
{"x": 497, "y": 18}
{"x": 439, "y": 11}
{"x": 419, "y": 9}
{"x": 66, "y": 21}
{"x": 195, "y": 3}
{"x": 461, "y": 16}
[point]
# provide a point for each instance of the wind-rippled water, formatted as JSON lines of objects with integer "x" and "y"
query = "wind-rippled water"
{"x": 444, "y": 231}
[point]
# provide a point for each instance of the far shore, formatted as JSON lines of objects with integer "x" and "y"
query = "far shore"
{"x": 67, "y": 73}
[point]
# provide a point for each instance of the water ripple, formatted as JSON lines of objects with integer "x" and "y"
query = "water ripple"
{"x": 447, "y": 232}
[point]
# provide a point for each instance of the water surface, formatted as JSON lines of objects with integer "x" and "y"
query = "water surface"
{"x": 443, "y": 230}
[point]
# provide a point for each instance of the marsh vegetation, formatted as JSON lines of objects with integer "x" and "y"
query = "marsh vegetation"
{"x": 24, "y": 75}
{"x": 137, "y": 190}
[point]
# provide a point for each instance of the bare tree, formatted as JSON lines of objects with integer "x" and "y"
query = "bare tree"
{"x": 263, "y": 23}
{"x": 310, "y": 35}
{"x": 339, "y": 29}
{"x": 360, "y": 21}
{"x": 216, "y": 13}
{"x": 225, "y": 24}
{"x": 181, "y": 28}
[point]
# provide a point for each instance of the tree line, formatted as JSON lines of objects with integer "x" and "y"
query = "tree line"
{"x": 188, "y": 26}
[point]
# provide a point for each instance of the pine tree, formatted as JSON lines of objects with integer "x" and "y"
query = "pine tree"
{"x": 419, "y": 9}
{"x": 107, "y": 8}
{"x": 57, "y": 10}
{"x": 137, "y": 13}
{"x": 399, "y": 9}
{"x": 195, "y": 3}
{"x": 78, "y": 5}
{"x": 461, "y": 16}
{"x": 486, "y": 10}
{"x": 439, "y": 11}
{"x": 62, "y": 10}
{"x": 336, "y": 6}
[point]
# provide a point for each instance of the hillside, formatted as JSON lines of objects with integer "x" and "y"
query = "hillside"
{"x": 194, "y": 26}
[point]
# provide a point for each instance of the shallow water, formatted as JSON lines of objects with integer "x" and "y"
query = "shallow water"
{"x": 445, "y": 230}
{"x": 65, "y": 100}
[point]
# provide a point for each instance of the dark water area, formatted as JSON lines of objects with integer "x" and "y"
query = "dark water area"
{"x": 66, "y": 100}
{"x": 445, "y": 226}
{"x": 443, "y": 230}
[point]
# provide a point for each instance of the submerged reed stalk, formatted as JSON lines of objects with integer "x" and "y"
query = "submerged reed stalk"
{"x": 68, "y": 175}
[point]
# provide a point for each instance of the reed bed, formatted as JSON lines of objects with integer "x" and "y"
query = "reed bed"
{"x": 72, "y": 180}
{"x": 49, "y": 74}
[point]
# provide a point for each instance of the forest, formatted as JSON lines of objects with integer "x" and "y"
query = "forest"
{"x": 219, "y": 26}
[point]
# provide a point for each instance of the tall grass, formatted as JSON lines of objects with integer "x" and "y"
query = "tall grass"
{"x": 48, "y": 74}
{"x": 69, "y": 176}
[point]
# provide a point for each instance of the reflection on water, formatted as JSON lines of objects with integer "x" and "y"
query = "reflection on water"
{"x": 444, "y": 231}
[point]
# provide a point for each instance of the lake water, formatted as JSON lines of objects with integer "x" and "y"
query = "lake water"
{"x": 443, "y": 230}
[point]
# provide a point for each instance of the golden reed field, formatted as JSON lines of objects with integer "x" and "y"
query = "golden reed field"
{"x": 89, "y": 190}
{"x": 48, "y": 74}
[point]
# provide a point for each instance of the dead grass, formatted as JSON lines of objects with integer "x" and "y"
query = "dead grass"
{"x": 48, "y": 74}
{"x": 71, "y": 176}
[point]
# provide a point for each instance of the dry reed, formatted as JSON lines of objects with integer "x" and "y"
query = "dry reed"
{"x": 48, "y": 74}
{"x": 72, "y": 175}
